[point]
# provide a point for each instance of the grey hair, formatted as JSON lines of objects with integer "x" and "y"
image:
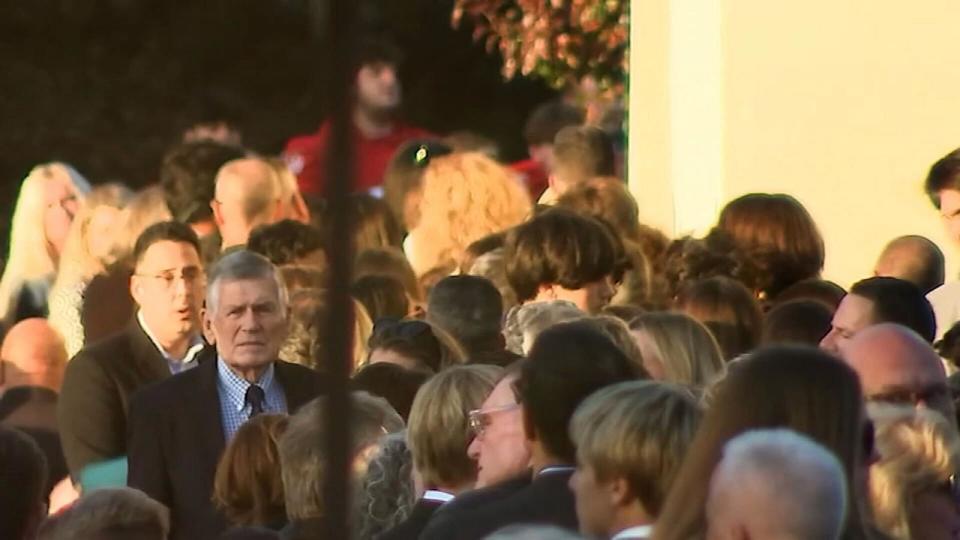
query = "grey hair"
{"x": 532, "y": 532}
{"x": 302, "y": 448}
{"x": 120, "y": 513}
{"x": 243, "y": 264}
{"x": 386, "y": 495}
{"x": 766, "y": 476}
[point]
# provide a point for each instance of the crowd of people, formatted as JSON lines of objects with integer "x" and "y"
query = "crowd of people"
{"x": 529, "y": 360}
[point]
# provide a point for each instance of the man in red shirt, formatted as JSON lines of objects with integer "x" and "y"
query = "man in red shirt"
{"x": 376, "y": 131}
{"x": 541, "y": 128}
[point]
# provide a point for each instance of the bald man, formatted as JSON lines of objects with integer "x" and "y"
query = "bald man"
{"x": 248, "y": 193}
{"x": 896, "y": 365}
{"x": 914, "y": 259}
{"x": 33, "y": 354}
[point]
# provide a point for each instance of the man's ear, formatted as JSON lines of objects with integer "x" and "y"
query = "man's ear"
{"x": 217, "y": 213}
{"x": 206, "y": 325}
{"x": 298, "y": 209}
{"x": 620, "y": 492}
{"x": 135, "y": 286}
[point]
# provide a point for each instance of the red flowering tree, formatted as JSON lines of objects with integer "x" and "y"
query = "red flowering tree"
{"x": 564, "y": 42}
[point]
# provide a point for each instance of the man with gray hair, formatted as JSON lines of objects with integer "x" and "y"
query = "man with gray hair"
{"x": 110, "y": 514}
{"x": 303, "y": 461}
{"x": 180, "y": 426}
{"x": 776, "y": 484}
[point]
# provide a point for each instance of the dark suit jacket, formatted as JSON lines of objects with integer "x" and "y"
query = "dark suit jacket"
{"x": 107, "y": 306}
{"x": 415, "y": 523}
{"x": 304, "y": 529}
{"x": 176, "y": 438}
{"x": 449, "y": 516}
{"x": 547, "y": 500}
{"x": 96, "y": 391}
{"x": 33, "y": 410}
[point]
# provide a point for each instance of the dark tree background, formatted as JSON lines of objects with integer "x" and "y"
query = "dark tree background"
{"x": 108, "y": 85}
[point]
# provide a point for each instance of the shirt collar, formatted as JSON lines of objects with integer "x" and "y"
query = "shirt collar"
{"x": 196, "y": 344}
{"x": 236, "y": 386}
{"x": 640, "y": 531}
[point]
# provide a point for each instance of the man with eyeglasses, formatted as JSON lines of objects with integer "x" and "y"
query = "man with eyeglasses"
{"x": 162, "y": 339}
{"x": 895, "y": 365}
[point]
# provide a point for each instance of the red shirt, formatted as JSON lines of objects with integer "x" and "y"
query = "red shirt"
{"x": 303, "y": 155}
{"x": 534, "y": 176}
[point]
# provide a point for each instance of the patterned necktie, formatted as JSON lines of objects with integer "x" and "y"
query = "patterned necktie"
{"x": 255, "y": 398}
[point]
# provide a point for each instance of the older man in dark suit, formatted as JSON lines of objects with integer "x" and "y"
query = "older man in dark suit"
{"x": 163, "y": 338}
{"x": 180, "y": 426}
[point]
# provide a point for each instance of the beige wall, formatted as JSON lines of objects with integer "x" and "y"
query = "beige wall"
{"x": 842, "y": 104}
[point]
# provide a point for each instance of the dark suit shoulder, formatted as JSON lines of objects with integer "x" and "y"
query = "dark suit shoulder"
{"x": 546, "y": 500}
{"x": 446, "y": 521}
{"x": 112, "y": 350}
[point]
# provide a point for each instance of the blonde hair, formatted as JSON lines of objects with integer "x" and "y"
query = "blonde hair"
{"x": 29, "y": 257}
{"x": 439, "y": 427}
{"x": 919, "y": 449}
{"x": 78, "y": 262}
{"x": 688, "y": 351}
{"x": 465, "y": 198}
{"x": 145, "y": 208}
{"x": 306, "y": 342}
{"x": 639, "y": 431}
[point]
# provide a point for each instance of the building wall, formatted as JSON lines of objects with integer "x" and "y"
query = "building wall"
{"x": 843, "y": 105}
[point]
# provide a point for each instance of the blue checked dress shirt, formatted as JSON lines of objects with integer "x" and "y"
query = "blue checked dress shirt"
{"x": 234, "y": 410}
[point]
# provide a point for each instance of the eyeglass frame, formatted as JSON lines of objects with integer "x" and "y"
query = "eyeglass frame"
{"x": 476, "y": 416}
{"x": 169, "y": 278}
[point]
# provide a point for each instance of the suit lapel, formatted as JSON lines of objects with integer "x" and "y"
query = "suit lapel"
{"x": 299, "y": 385}
{"x": 204, "y": 411}
{"x": 146, "y": 356}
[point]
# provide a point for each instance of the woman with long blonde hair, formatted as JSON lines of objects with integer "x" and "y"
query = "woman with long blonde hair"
{"x": 677, "y": 348}
{"x": 89, "y": 249}
{"x": 465, "y": 197}
{"x": 48, "y": 200}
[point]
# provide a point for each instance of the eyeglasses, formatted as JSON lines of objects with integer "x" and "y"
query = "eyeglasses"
{"x": 934, "y": 393}
{"x": 189, "y": 275}
{"x": 480, "y": 418}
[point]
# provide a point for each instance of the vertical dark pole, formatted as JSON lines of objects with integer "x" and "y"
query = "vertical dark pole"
{"x": 338, "y": 48}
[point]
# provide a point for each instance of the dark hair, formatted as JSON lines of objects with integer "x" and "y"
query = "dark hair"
{"x": 898, "y": 301}
{"x": 372, "y": 223}
{"x": 375, "y": 50}
{"x": 827, "y": 293}
{"x": 404, "y": 172}
{"x": 949, "y": 346}
{"x": 23, "y": 475}
{"x": 548, "y": 119}
{"x": 800, "y": 322}
{"x": 582, "y": 152}
{"x": 417, "y": 340}
{"x": 558, "y": 247}
{"x": 247, "y": 484}
{"x": 480, "y": 248}
{"x": 388, "y": 262}
{"x": 690, "y": 259}
{"x": 567, "y": 363}
{"x": 728, "y": 309}
{"x": 775, "y": 234}
{"x": 188, "y": 177}
{"x": 382, "y": 296}
{"x": 605, "y": 198}
{"x": 944, "y": 174}
{"x": 915, "y": 259}
{"x": 798, "y": 388}
{"x": 393, "y": 383}
{"x": 286, "y": 241}
{"x": 165, "y": 231}
{"x": 469, "y": 308}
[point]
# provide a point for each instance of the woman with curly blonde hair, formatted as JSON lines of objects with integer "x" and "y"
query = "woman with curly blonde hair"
{"x": 89, "y": 249}
{"x": 49, "y": 198}
{"x": 465, "y": 197}
{"x": 912, "y": 486}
